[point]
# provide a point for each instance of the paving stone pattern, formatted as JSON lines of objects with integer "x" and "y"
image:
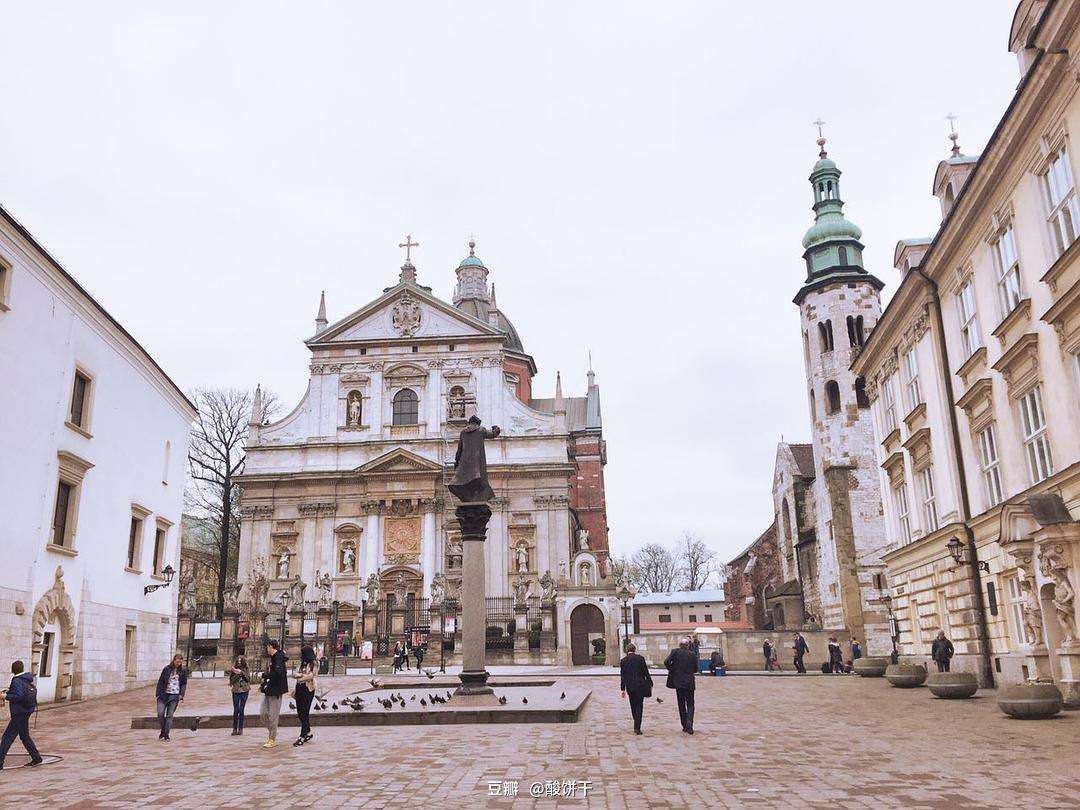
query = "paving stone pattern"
{"x": 760, "y": 742}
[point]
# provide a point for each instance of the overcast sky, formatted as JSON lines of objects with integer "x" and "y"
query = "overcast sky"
{"x": 635, "y": 174}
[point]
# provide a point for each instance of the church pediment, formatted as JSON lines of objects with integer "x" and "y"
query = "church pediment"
{"x": 399, "y": 461}
{"x": 405, "y": 311}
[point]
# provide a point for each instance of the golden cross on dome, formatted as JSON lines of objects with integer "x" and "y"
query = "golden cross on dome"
{"x": 408, "y": 244}
{"x": 819, "y": 124}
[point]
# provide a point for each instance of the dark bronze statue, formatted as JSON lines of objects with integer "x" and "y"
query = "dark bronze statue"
{"x": 470, "y": 483}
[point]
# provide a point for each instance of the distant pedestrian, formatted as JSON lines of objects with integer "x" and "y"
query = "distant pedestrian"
{"x": 171, "y": 688}
{"x": 695, "y": 650}
{"x": 418, "y": 653}
{"x": 716, "y": 661}
{"x": 22, "y": 698}
{"x": 275, "y": 683}
{"x": 399, "y": 656}
{"x": 635, "y": 683}
{"x": 682, "y": 668}
{"x": 942, "y": 651}
{"x": 767, "y": 651}
{"x": 836, "y": 656}
{"x": 305, "y": 693}
{"x": 856, "y": 650}
{"x": 240, "y": 686}
{"x": 801, "y": 649}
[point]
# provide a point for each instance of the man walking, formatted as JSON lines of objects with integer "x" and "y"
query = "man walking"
{"x": 418, "y": 653}
{"x": 766, "y": 650}
{"x": 942, "y": 651}
{"x": 171, "y": 688}
{"x": 801, "y": 649}
{"x": 275, "y": 683}
{"x": 22, "y": 697}
{"x": 681, "y": 669}
{"x": 635, "y": 682}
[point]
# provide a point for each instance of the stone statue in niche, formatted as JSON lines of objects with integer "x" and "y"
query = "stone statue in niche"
{"x": 372, "y": 588}
{"x": 583, "y": 539}
{"x": 348, "y": 559}
{"x": 586, "y": 573}
{"x": 438, "y": 589}
{"x": 188, "y": 595}
{"x": 401, "y": 590}
{"x": 521, "y": 589}
{"x": 470, "y": 483}
{"x": 232, "y": 597}
{"x": 1056, "y": 570}
{"x": 283, "y": 565}
{"x": 353, "y": 409}
{"x": 521, "y": 557}
{"x": 296, "y": 593}
{"x": 547, "y": 587}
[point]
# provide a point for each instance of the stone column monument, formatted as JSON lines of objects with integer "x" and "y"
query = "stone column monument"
{"x": 471, "y": 487}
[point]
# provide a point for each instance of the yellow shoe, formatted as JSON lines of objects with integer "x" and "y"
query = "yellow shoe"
{"x": 271, "y": 743}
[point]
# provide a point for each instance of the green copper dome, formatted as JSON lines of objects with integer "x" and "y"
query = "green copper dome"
{"x": 471, "y": 261}
{"x": 828, "y": 229}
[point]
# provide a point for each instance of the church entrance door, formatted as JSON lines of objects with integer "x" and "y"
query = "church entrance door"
{"x": 586, "y": 623}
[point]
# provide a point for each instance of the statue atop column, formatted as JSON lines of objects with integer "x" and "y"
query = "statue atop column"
{"x": 372, "y": 589}
{"x": 547, "y": 588}
{"x": 296, "y": 593}
{"x": 470, "y": 482}
{"x": 521, "y": 589}
{"x": 401, "y": 590}
{"x": 232, "y": 597}
{"x": 438, "y": 589}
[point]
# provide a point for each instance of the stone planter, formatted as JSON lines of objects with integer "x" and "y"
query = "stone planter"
{"x": 871, "y": 667}
{"x": 1030, "y": 701}
{"x": 952, "y": 685}
{"x": 906, "y": 676}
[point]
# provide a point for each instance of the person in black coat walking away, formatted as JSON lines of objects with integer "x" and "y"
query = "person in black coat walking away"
{"x": 22, "y": 697}
{"x": 942, "y": 651}
{"x": 240, "y": 686}
{"x": 305, "y": 692}
{"x": 682, "y": 667}
{"x": 801, "y": 649}
{"x": 836, "y": 656}
{"x": 171, "y": 688}
{"x": 275, "y": 683}
{"x": 635, "y": 682}
{"x": 418, "y": 653}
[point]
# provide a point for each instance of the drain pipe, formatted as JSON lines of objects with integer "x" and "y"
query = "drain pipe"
{"x": 965, "y": 503}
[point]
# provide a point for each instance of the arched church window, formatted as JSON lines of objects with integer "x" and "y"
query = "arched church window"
{"x": 860, "y": 333}
{"x": 843, "y": 256}
{"x": 861, "y": 399}
{"x": 830, "y": 190}
{"x": 853, "y": 339}
{"x": 832, "y": 397}
{"x": 813, "y": 406}
{"x": 825, "y": 331}
{"x": 406, "y": 407}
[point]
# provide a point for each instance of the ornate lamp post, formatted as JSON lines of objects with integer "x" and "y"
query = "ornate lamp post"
{"x": 894, "y": 629}
{"x": 625, "y": 593}
{"x": 334, "y": 639}
{"x": 284, "y": 615}
{"x": 166, "y": 572}
{"x": 958, "y": 551}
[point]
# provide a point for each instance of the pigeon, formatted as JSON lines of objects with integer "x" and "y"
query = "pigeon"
{"x": 562, "y": 696}
{"x": 292, "y": 705}
{"x": 502, "y": 699}
{"x": 429, "y": 673}
{"x": 423, "y": 702}
{"x": 387, "y": 704}
{"x": 449, "y": 694}
{"x": 333, "y": 706}
{"x": 659, "y": 700}
{"x": 374, "y": 683}
{"x": 412, "y": 698}
{"x": 524, "y": 700}
{"x": 195, "y": 723}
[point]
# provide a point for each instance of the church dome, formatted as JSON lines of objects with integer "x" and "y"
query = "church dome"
{"x": 479, "y": 309}
{"x": 825, "y": 230}
{"x": 471, "y": 261}
{"x": 824, "y": 164}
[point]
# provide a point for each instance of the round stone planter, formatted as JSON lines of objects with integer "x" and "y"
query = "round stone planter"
{"x": 1030, "y": 701}
{"x": 906, "y": 676}
{"x": 952, "y": 685}
{"x": 871, "y": 667}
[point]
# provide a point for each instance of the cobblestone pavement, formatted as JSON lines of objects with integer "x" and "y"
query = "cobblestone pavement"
{"x": 764, "y": 742}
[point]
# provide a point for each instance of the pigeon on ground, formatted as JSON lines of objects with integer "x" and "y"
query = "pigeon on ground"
{"x": 502, "y": 699}
{"x": 524, "y": 700}
{"x": 423, "y": 702}
{"x": 292, "y": 705}
{"x": 659, "y": 700}
{"x": 412, "y": 698}
{"x": 387, "y": 704}
{"x": 195, "y": 723}
{"x": 449, "y": 694}
{"x": 374, "y": 683}
{"x": 429, "y": 673}
{"x": 562, "y": 696}
{"x": 333, "y": 706}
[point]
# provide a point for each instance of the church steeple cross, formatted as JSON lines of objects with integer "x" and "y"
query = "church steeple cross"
{"x": 408, "y": 244}
{"x": 819, "y": 124}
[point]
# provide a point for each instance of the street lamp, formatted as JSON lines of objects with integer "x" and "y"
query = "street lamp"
{"x": 959, "y": 553}
{"x": 334, "y": 640}
{"x": 166, "y": 572}
{"x": 284, "y": 615}
{"x": 624, "y": 593}
{"x": 894, "y": 628}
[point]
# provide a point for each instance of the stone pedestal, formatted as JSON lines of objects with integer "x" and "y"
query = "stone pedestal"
{"x": 323, "y": 618}
{"x": 1030, "y": 701}
{"x": 952, "y": 685}
{"x": 473, "y": 518}
{"x": 296, "y": 623}
{"x": 521, "y": 632}
{"x": 1069, "y": 658}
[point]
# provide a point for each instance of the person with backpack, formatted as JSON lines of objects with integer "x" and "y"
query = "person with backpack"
{"x": 305, "y": 693}
{"x": 171, "y": 688}
{"x": 22, "y": 697}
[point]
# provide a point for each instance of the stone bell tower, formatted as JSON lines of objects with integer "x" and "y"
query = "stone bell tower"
{"x": 839, "y": 305}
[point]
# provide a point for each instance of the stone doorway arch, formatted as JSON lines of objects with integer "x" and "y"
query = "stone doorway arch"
{"x": 54, "y": 614}
{"x": 586, "y": 623}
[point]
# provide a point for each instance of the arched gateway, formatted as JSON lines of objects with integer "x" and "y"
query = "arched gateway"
{"x": 586, "y": 623}
{"x": 53, "y": 642}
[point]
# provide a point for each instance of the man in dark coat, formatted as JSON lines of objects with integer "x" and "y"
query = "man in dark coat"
{"x": 942, "y": 652}
{"x": 766, "y": 650}
{"x": 470, "y": 464}
{"x": 635, "y": 682}
{"x": 22, "y": 697}
{"x": 801, "y": 649}
{"x": 682, "y": 667}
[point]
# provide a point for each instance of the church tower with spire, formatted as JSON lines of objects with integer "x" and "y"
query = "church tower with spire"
{"x": 839, "y": 304}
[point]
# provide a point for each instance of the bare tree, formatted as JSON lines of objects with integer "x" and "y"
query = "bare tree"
{"x": 695, "y": 561}
{"x": 215, "y": 459}
{"x": 657, "y": 568}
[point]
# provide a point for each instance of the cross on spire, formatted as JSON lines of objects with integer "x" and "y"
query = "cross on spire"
{"x": 408, "y": 244}
{"x": 821, "y": 135}
{"x": 953, "y": 134}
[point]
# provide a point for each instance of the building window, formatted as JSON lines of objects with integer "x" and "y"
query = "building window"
{"x": 159, "y": 550}
{"x": 1059, "y": 195}
{"x": 929, "y": 502}
{"x": 129, "y": 652}
{"x": 708, "y": 617}
{"x": 969, "y": 319}
{"x": 911, "y": 379}
{"x": 62, "y": 514}
{"x": 134, "y": 542}
{"x": 5, "y": 286}
{"x": 825, "y": 332}
{"x": 855, "y": 332}
{"x": 45, "y": 665}
{"x": 1015, "y": 597}
{"x": 692, "y": 617}
{"x": 666, "y": 617}
{"x": 1036, "y": 440}
{"x": 80, "y": 400}
{"x": 889, "y": 403}
{"x": 991, "y": 469}
{"x": 832, "y": 397}
{"x": 406, "y": 407}
{"x": 861, "y": 399}
{"x": 70, "y": 474}
{"x": 843, "y": 256}
{"x": 879, "y": 582}
{"x": 903, "y": 518}
{"x": 1008, "y": 270}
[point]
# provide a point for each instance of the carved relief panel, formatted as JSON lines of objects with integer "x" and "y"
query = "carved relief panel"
{"x": 401, "y": 540}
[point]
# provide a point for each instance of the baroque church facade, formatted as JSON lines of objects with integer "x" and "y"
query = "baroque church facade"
{"x": 346, "y": 495}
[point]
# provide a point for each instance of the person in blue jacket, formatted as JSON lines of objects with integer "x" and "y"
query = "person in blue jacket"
{"x": 21, "y": 696}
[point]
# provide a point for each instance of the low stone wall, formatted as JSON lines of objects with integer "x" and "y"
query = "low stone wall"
{"x": 742, "y": 648}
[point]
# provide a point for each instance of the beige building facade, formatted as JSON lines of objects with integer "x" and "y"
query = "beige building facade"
{"x": 973, "y": 375}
